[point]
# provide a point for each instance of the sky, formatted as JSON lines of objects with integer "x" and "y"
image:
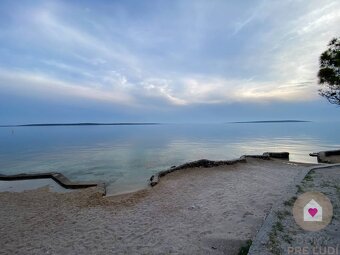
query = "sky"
{"x": 163, "y": 61}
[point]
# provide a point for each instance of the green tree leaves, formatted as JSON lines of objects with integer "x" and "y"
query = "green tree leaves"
{"x": 329, "y": 72}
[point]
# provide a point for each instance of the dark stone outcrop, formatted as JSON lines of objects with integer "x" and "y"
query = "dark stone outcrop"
{"x": 332, "y": 153}
{"x": 280, "y": 155}
{"x": 154, "y": 179}
{"x": 329, "y": 157}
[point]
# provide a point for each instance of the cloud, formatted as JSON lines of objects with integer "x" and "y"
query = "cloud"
{"x": 67, "y": 68}
{"x": 199, "y": 52}
{"x": 39, "y": 85}
{"x": 207, "y": 90}
{"x": 253, "y": 15}
{"x": 75, "y": 38}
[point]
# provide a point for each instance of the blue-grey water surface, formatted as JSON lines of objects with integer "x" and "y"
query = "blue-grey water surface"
{"x": 126, "y": 156}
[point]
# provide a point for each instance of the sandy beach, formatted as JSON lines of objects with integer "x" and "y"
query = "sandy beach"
{"x": 192, "y": 211}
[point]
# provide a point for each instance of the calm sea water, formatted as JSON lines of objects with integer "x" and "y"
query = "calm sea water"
{"x": 126, "y": 156}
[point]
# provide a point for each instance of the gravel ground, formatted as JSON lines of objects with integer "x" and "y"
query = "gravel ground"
{"x": 281, "y": 235}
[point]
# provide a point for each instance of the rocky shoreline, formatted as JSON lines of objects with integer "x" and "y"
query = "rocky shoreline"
{"x": 154, "y": 179}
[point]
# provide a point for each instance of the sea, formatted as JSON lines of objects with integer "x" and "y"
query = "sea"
{"x": 125, "y": 156}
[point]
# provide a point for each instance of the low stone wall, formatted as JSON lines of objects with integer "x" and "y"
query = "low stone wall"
{"x": 154, "y": 179}
{"x": 332, "y": 153}
{"x": 280, "y": 155}
{"x": 57, "y": 177}
{"x": 329, "y": 157}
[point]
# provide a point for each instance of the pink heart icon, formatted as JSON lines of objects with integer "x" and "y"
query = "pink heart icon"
{"x": 313, "y": 211}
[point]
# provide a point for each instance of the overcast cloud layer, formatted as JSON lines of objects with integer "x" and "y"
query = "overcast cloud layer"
{"x": 163, "y": 60}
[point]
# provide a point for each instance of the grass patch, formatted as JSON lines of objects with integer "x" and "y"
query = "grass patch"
{"x": 309, "y": 177}
{"x": 299, "y": 189}
{"x": 282, "y": 214}
{"x": 287, "y": 238}
{"x": 245, "y": 249}
{"x": 324, "y": 184}
{"x": 278, "y": 226}
{"x": 273, "y": 243}
{"x": 290, "y": 202}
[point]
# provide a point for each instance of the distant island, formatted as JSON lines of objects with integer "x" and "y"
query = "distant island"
{"x": 81, "y": 124}
{"x": 270, "y": 121}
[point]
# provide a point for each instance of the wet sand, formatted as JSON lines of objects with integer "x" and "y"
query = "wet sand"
{"x": 22, "y": 185}
{"x": 191, "y": 211}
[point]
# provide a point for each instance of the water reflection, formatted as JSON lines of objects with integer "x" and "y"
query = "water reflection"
{"x": 126, "y": 156}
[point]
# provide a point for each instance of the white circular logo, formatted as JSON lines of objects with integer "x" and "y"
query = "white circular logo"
{"x": 312, "y": 211}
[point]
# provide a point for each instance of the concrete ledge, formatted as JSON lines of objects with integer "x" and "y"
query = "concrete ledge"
{"x": 280, "y": 155}
{"x": 332, "y": 153}
{"x": 264, "y": 157}
{"x": 329, "y": 157}
{"x": 57, "y": 177}
{"x": 154, "y": 179}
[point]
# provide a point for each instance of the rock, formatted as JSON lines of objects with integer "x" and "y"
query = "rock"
{"x": 280, "y": 155}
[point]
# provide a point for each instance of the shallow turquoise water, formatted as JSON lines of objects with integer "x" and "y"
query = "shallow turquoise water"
{"x": 126, "y": 156}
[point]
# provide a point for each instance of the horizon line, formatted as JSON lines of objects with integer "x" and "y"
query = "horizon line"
{"x": 136, "y": 123}
{"x": 82, "y": 124}
{"x": 270, "y": 121}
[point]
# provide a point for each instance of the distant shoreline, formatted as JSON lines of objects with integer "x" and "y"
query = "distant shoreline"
{"x": 139, "y": 123}
{"x": 269, "y": 121}
{"x": 81, "y": 124}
